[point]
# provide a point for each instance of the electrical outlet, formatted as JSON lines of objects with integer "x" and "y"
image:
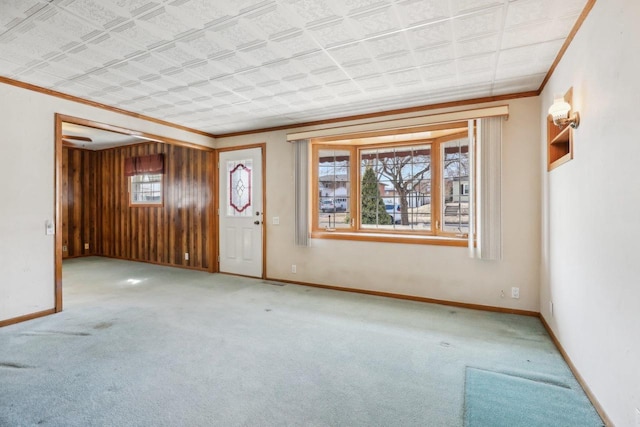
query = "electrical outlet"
{"x": 276, "y": 220}
{"x": 64, "y": 248}
{"x": 86, "y": 246}
{"x": 186, "y": 256}
{"x": 502, "y": 294}
{"x": 515, "y": 292}
{"x": 293, "y": 268}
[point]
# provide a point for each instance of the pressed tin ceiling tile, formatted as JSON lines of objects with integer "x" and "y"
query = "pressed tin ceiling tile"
{"x": 361, "y": 68}
{"x": 295, "y": 44}
{"x": 8, "y": 68}
{"x": 114, "y": 47}
{"x": 272, "y": 21}
{"x": 199, "y": 12}
{"x": 234, "y": 65}
{"x": 139, "y": 34}
{"x": 375, "y": 22}
{"x": 528, "y": 11}
{"x": 349, "y": 54}
{"x": 442, "y": 53}
{"x": 261, "y": 54}
{"x": 313, "y": 12}
{"x": 478, "y": 45}
{"x": 385, "y": 45}
{"x": 101, "y": 13}
{"x": 164, "y": 20}
{"x": 413, "y": 12}
{"x": 73, "y": 27}
{"x": 15, "y": 11}
{"x": 478, "y": 24}
{"x": 409, "y": 77}
{"x": 334, "y": 33}
{"x": 466, "y": 6}
{"x": 399, "y": 60}
{"x": 434, "y": 34}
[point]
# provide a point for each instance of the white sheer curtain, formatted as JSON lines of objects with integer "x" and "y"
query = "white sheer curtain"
{"x": 488, "y": 172}
{"x": 301, "y": 185}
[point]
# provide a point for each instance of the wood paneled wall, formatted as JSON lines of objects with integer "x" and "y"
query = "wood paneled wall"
{"x": 184, "y": 224}
{"x": 158, "y": 234}
{"x": 78, "y": 201}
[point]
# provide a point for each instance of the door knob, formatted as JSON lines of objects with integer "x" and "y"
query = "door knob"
{"x": 256, "y": 222}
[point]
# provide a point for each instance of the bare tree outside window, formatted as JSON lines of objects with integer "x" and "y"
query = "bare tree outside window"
{"x": 414, "y": 186}
{"x": 407, "y": 170}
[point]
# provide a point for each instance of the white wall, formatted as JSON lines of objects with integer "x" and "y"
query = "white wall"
{"x": 591, "y": 206}
{"x": 27, "y": 192}
{"x": 439, "y": 272}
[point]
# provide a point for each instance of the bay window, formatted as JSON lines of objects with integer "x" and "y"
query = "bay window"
{"x": 396, "y": 186}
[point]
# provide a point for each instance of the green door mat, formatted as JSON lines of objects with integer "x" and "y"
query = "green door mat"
{"x": 494, "y": 399}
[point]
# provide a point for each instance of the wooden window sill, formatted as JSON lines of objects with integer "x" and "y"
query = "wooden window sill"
{"x": 391, "y": 238}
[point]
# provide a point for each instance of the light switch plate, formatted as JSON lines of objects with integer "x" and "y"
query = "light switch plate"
{"x": 276, "y": 220}
{"x": 49, "y": 228}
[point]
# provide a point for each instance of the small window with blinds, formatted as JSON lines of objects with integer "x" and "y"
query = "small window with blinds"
{"x": 145, "y": 179}
{"x": 146, "y": 190}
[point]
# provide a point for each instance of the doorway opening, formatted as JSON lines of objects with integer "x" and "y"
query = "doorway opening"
{"x": 131, "y": 195}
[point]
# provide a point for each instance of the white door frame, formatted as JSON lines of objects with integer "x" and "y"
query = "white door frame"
{"x": 263, "y": 149}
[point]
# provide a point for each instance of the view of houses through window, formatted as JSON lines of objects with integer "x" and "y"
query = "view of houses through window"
{"x": 417, "y": 185}
{"x": 334, "y": 188}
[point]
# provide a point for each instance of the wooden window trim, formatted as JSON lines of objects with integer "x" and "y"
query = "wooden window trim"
{"x": 355, "y": 231}
{"x": 365, "y": 236}
{"x": 147, "y": 205}
{"x": 464, "y": 237}
{"x": 314, "y": 178}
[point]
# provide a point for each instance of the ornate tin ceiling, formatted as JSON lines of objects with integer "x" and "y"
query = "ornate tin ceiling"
{"x": 225, "y": 66}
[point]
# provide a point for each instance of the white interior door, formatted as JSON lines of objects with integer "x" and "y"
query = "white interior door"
{"x": 240, "y": 217}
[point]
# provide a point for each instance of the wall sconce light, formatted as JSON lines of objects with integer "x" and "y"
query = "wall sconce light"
{"x": 560, "y": 112}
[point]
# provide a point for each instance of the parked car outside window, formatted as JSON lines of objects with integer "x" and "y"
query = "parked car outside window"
{"x": 394, "y": 211}
{"x": 326, "y": 205}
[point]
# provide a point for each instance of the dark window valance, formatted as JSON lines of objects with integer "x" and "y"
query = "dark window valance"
{"x": 151, "y": 164}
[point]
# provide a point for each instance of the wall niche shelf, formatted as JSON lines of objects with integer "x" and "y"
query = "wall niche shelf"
{"x": 559, "y": 140}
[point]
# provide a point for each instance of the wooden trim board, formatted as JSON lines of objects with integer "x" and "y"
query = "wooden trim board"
{"x": 598, "y": 407}
{"x": 117, "y": 129}
{"x": 567, "y": 42}
{"x": 54, "y": 93}
{"x": 26, "y": 317}
{"x": 161, "y": 264}
{"x": 387, "y": 113}
{"x": 58, "y": 213}
{"x": 412, "y": 298}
